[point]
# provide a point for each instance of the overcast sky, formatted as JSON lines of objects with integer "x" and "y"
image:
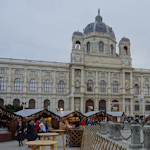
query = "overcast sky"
{"x": 42, "y": 29}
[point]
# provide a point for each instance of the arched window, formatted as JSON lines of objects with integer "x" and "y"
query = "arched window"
{"x": 61, "y": 86}
{"x": 147, "y": 106}
{"x": 125, "y": 50}
{"x": 111, "y": 50}
{"x": 88, "y": 47}
{"x": 2, "y": 84}
{"x": 102, "y": 86}
{"x": 17, "y": 84}
{"x": 136, "y": 106}
{"x": 89, "y": 106}
{"x": 1, "y": 102}
{"x": 115, "y": 105}
{"x": 77, "y": 46}
{"x": 146, "y": 89}
{"x": 32, "y": 85}
{"x": 90, "y": 86}
{"x": 115, "y": 87}
{"x": 46, "y": 104}
{"x": 102, "y": 105}
{"x": 16, "y": 102}
{"x": 61, "y": 104}
{"x": 32, "y": 103}
{"x": 47, "y": 86}
{"x": 136, "y": 89}
{"x": 101, "y": 47}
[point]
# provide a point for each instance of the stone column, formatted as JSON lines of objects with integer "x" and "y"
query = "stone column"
{"x": 123, "y": 83}
{"x": 96, "y": 104}
{"x": 9, "y": 85}
{"x": 131, "y": 106}
{"x": 82, "y": 81}
{"x": 131, "y": 82}
{"x": 143, "y": 107}
{"x": 135, "y": 137}
{"x": 40, "y": 82}
{"x": 109, "y": 84}
{"x": 123, "y": 105}
{"x": 81, "y": 104}
{"x": 96, "y": 84}
{"x": 109, "y": 105}
{"x": 25, "y": 81}
{"x": 54, "y": 82}
{"x": 72, "y": 90}
{"x": 53, "y": 104}
{"x": 141, "y": 85}
{"x": 117, "y": 135}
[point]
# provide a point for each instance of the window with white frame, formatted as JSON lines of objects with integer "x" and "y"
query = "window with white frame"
{"x": 103, "y": 86}
{"x": 32, "y": 85}
{"x": 17, "y": 84}
{"x": 135, "y": 78}
{"x": 2, "y": 71}
{"x": 103, "y": 74}
{"x": 115, "y": 87}
{"x": 47, "y": 86}
{"x": 136, "y": 89}
{"x": 146, "y": 89}
{"x": 61, "y": 86}
{"x": 18, "y": 72}
{"x": 33, "y": 73}
{"x": 47, "y": 74}
{"x": 146, "y": 79}
{"x": 90, "y": 74}
{"x": 61, "y": 74}
{"x": 2, "y": 84}
{"x": 115, "y": 75}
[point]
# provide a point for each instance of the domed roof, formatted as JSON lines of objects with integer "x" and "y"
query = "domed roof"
{"x": 125, "y": 39}
{"x": 77, "y": 33}
{"x": 99, "y": 26}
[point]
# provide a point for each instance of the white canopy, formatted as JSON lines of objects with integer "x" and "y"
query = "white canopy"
{"x": 28, "y": 112}
{"x": 64, "y": 113}
{"x": 90, "y": 113}
{"x": 115, "y": 113}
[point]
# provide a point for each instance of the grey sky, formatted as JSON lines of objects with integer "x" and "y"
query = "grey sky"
{"x": 42, "y": 29}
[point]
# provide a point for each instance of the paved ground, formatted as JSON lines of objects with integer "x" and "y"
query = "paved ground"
{"x": 13, "y": 145}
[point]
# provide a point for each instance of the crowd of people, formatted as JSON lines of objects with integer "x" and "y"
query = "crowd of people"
{"x": 32, "y": 129}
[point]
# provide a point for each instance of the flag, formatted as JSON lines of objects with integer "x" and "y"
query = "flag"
{"x": 70, "y": 95}
{"x": 141, "y": 96}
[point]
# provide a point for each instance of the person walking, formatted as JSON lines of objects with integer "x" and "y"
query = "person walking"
{"x": 31, "y": 133}
{"x": 37, "y": 128}
{"x": 20, "y": 133}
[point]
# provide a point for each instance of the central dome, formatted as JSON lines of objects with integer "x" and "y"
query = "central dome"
{"x": 99, "y": 26}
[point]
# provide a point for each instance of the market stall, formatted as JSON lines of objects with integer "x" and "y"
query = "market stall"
{"x": 36, "y": 114}
{"x": 71, "y": 117}
{"x": 8, "y": 123}
{"x": 96, "y": 115}
{"x": 117, "y": 116}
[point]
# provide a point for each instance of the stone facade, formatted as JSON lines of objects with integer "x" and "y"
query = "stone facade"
{"x": 96, "y": 76}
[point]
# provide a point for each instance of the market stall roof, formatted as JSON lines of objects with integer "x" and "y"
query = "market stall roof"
{"x": 90, "y": 113}
{"x": 116, "y": 113}
{"x": 5, "y": 113}
{"x": 62, "y": 114}
{"x": 28, "y": 112}
{"x": 147, "y": 115}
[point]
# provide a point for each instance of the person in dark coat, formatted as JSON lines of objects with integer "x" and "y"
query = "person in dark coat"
{"x": 31, "y": 133}
{"x": 20, "y": 133}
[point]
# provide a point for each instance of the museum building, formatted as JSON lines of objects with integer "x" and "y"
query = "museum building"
{"x": 96, "y": 78}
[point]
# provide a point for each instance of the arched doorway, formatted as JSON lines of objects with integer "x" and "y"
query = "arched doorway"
{"x": 1, "y": 102}
{"x": 102, "y": 105}
{"x": 46, "y": 104}
{"x": 89, "y": 105}
{"x": 115, "y": 105}
{"x": 61, "y": 105}
{"x": 32, "y": 103}
{"x": 16, "y": 102}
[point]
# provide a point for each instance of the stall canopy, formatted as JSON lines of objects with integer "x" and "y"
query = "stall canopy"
{"x": 117, "y": 116}
{"x": 36, "y": 114}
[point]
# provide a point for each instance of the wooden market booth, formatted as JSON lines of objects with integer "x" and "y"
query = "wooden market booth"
{"x": 116, "y": 116}
{"x": 96, "y": 115}
{"x": 8, "y": 124}
{"x": 73, "y": 117}
{"x": 37, "y": 114}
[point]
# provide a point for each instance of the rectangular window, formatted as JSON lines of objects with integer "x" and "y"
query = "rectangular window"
{"x": 103, "y": 75}
{"x": 90, "y": 74}
{"x": 115, "y": 75}
{"x": 33, "y": 73}
{"x": 146, "y": 80}
{"x": 2, "y": 71}
{"x": 61, "y": 74}
{"x": 135, "y": 78}
{"x": 47, "y": 74}
{"x": 18, "y": 72}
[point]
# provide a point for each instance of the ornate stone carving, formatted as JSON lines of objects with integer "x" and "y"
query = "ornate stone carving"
{"x": 77, "y": 84}
{"x": 77, "y": 58}
{"x": 126, "y": 62}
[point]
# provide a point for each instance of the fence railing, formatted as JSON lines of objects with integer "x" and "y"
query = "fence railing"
{"x": 93, "y": 141}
